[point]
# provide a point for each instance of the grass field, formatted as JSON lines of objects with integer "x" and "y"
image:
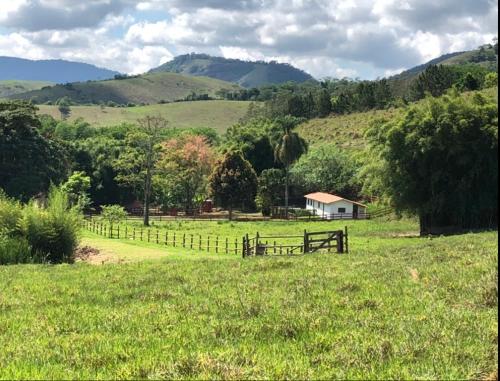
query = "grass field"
{"x": 215, "y": 114}
{"x": 147, "y": 88}
{"x": 396, "y": 307}
{"x": 12, "y": 87}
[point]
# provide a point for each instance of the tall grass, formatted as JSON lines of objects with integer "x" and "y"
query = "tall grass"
{"x": 36, "y": 233}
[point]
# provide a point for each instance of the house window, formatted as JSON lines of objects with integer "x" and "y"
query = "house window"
{"x": 341, "y": 210}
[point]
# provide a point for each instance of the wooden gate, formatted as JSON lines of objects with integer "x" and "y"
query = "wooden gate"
{"x": 311, "y": 242}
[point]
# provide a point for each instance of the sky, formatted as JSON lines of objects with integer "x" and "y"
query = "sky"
{"x": 326, "y": 38}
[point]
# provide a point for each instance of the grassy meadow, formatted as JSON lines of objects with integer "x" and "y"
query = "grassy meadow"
{"x": 397, "y": 307}
{"x": 146, "y": 88}
{"x": 219, "y": 115}
{"x": 12, "y": 87}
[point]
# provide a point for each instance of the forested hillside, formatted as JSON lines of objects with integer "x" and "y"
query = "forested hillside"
{"x": 245, "y": 73}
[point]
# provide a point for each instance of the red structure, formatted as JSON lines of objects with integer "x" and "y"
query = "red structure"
{"x": 207, "y": 206}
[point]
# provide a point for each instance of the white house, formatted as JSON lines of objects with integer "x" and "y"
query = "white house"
{"x": 329, "y": 206}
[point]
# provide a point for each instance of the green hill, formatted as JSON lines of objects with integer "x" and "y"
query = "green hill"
{"x": 13, "y": 87}
{"x": 484, "y": 56}
{"x": 218, "y": 115}
{"x": 142, "y": 89}
{"x": 245, "y": 73}
{"x": 347, "y": 131}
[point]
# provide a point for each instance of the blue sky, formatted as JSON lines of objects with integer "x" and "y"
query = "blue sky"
{"x": 334, "y": 38}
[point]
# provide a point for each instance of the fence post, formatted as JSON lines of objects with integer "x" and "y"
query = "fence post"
{"x": 149, "y": 235}
{"x": 256, "y": 243}
{"x": 166, "y": 238}
{"x": 191, "y": 242}
{"x": 227, "y": 244}
{"x": 216, "y": 244}
{"x": 340, "y": 242}
{"x": 208, "y": 244}
{"x": 236, "y": 246}
{"x": 199, "y": 243}
{"x": 118, "y": 231}
{"x": 184, "y": 240}
{"x": 346, "y": 241}
{"x": 142, "y": 232}
{"x": 174, "y": 239}
{"x": 306, "y": 242}
{"x": 243, "y": 254}
{"x": 126, "y": 231}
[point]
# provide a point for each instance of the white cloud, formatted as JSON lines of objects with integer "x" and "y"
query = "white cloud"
{"x": 365, "y": 38}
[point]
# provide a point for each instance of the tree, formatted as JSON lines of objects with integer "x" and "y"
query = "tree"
{"x": 29, "y": 162}
{"x": 288, "y": 149}
{"x": 270, "y": 184}
{"x": 77, "y": 188}
{"x": 491, "y": 80}
{"x": 323, "y": 104}
{"x": 436, "y": 79}
{"x": 184, "y": 167}
{"x": 233, "y": 182}
{"x": 440, "y": 161}
{"x": 253, "y": 140}
{"x": 469, "y": 82}
{"x": 63, "y": 105}
{"x": 113, "y": 214}
{"x": 136, "y": 165}
{"x": 327, "y": 169}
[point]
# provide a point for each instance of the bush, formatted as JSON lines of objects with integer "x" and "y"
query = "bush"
{"x": 10, "y": 213}
{"x": 17, "y": 250}
{"x": 113, "y": 214}
{"x": 52, "y": 232}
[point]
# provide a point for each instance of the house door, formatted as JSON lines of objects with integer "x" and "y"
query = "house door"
{"x": 355, "y": 211}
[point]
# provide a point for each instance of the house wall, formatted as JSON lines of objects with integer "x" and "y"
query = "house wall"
{"x": 333, "y": 208}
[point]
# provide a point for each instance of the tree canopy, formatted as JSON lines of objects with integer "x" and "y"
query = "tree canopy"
{"x": 440, "y": 161}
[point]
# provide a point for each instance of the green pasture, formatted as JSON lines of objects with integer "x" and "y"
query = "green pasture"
{"x": 219, "y": 115}
{"x": 396, "y": 307}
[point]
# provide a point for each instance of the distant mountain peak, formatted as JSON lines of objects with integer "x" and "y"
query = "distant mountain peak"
{"x": 244, "y": 73}
{"x": 57, "y": 70}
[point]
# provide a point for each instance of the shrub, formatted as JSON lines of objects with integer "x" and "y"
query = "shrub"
{"x": 52, "y": 232}
{"x": 113, "y": 213}
{"x": 10, "y": 213}
{"x": 17, "y": 250}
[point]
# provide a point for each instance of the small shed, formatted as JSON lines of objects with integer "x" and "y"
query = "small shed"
{"x": 330, "y": 206}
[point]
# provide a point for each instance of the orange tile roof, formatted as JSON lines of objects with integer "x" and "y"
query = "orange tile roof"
{"x": 327, "y": 198}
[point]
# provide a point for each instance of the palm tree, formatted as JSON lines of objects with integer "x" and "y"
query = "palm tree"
{"x": 289, "y": 148}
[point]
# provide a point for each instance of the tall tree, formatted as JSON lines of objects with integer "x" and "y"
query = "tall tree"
{"x": 233, "y": 182}
{"x": 29, "y": 162}
{"x": 440, "y": 161}
{"x": 184, "y": 167}
{"x": 136, "y": 165}
{"x": 288, "y": 149}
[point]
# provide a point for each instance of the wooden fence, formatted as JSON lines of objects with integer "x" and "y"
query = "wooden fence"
{"x": 209, "y": 244}
{"x": 335, "y": 240}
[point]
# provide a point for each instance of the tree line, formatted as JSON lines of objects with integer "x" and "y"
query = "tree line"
{"x": 437, "y": 160}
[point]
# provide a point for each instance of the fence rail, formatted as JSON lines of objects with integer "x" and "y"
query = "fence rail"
{"x": 210, "y": 244}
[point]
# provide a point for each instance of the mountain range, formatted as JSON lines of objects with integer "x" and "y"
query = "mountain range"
{"x": 57, "y": 71}
{"x": 190, "y": 75}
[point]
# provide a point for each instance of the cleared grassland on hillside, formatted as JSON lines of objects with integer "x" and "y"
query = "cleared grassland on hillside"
{"x": 219, "y": 115}
{"x": 147, "y": 88}
{"x": 347, "y": 131}
{"x": 11, "y": 87}
{"x": 397, "y": 306}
